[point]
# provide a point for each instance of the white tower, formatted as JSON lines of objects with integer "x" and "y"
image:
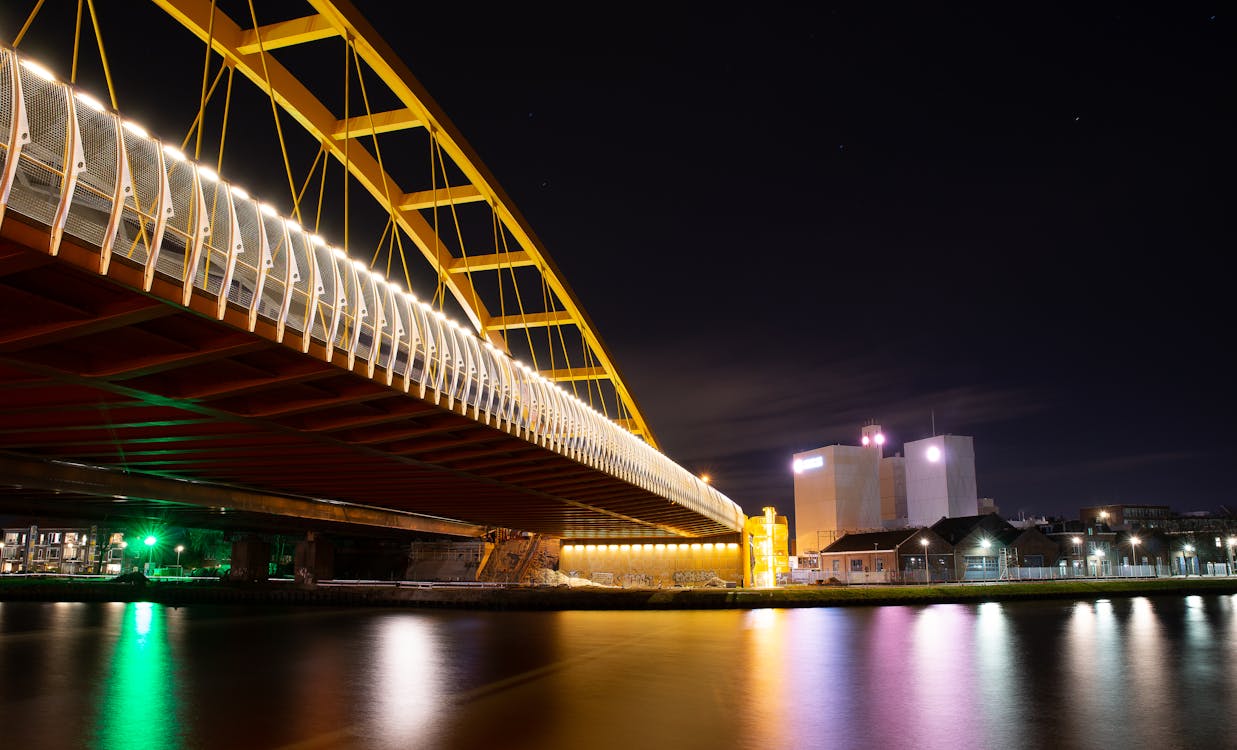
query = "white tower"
{"x": 940, "y": 479}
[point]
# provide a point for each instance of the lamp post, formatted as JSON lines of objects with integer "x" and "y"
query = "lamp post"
{"x": 1078, "y": 544}
{"x": 1099, "y": 559}
{"x": 179, "y": 549}
{"x": 1133, "y": 546}
{"x": 927, "y": 572}
{"x": 1232, "y": 542}
{"x": 1188, "y": 549}
{"x": 986, "y": 544}
{"x": 820, "y": 558}
{"x": 150, "y": 541}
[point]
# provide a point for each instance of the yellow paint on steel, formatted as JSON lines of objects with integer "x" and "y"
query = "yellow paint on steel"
{"x": 569, "y": 374}
{"x": 377, "y": 123}
{"x": 430, "y": 198}
{"x": 494, "y": 262}
{"x": 239, "y": 47}
{"x": 287, "y": 34}
{"x": 534, "y": 320}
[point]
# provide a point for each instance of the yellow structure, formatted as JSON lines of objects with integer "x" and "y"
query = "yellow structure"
{"x": 768, "y": 548}
{"x": 508, "y": 287}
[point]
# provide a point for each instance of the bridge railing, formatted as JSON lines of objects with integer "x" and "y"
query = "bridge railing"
{"x": 73, "y": 166}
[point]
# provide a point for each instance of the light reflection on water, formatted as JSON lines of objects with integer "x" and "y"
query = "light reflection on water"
{"x": 1139, "y": 672}
{"x": 137, "y": 705}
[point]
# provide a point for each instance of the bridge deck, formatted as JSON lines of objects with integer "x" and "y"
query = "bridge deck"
{"x": 97, "y": 372}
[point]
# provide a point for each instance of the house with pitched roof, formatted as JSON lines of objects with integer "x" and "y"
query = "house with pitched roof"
{"x": 898, "y": 556}
{"x": 986, "y": 546}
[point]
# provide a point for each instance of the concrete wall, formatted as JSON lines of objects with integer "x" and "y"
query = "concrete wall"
{"x": 652, "y": 563}
{"x": 893, "y": 491}
{"x": 842, "y": 493}
{"x": 940, "y": 479}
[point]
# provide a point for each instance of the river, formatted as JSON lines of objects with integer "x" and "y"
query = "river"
{"x": 1124, "y": 673}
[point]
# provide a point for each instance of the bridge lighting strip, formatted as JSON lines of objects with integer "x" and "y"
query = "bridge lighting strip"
{"x": 502, "y": 388}
{"x": 682, "y": 547}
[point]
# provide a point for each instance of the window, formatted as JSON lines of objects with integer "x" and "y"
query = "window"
{"x": 880, "y": 565}
{"x": 837, "y": 566}
{"x": 856, "y": 566}
{"x": 1033, "y": 561}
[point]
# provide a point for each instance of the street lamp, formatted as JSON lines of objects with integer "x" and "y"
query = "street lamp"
{"x": 1232, "y": 542}
{"x": 927, "y": 572}
{"x": 150, "y": 542}
{"x": 1133, "y": 544}
{"x": 1188, "y": 549}
{"x": 1078, "y": 544}
{"x": 986, "y": 544}
{"x": 179, "y": 549}
{"x": 1099, "y": 558}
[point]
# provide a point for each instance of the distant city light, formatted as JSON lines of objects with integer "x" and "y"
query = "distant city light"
{"x": 934, "y": 453}
{"x": 812, "y": 462}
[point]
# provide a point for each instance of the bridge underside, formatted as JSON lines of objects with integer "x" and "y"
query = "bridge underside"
{"x": 98, "y": 374}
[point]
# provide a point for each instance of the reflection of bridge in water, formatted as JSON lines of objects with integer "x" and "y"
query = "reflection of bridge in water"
{"x": 172, "y": 348}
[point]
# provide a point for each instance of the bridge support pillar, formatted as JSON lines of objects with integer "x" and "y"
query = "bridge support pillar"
{"x": 251, "y": 557}
{"x": 313, "y": 560}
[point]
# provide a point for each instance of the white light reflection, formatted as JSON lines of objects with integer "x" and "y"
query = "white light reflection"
{"x": 997, "y": 655}
{"x": 1143, "y": 677}
{"x": 408, "y": 674}
{"x": 943, "y": 635}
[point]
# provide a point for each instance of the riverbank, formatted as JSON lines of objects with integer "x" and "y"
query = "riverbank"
{"x": 445, "y": 596}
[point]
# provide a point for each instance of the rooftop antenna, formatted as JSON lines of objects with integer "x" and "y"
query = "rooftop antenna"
{"x": 934, "y": 423}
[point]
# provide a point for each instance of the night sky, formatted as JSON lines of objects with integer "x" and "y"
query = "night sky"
{"x": 1006, "y": 221}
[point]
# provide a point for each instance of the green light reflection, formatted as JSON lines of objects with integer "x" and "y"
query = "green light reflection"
{"x": 138, "y": 707}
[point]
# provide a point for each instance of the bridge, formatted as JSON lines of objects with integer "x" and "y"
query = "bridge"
{"x": 173, "y": 347}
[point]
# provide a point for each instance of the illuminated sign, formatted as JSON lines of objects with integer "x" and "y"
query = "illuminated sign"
{"x": 812, "y": 462}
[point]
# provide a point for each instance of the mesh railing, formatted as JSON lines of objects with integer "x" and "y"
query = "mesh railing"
{"x": 69, "y": 164}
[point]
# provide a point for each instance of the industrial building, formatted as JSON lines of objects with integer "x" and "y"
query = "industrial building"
{"x": 843, "y": 489}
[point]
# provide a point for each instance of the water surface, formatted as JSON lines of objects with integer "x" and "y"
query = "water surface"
{"x": 1124, "y": 673}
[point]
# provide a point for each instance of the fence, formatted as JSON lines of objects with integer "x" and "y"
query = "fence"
{"x": 807, "y": 576}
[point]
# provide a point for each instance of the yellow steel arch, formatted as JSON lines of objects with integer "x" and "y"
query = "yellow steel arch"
{"x": 249, "y": 52}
